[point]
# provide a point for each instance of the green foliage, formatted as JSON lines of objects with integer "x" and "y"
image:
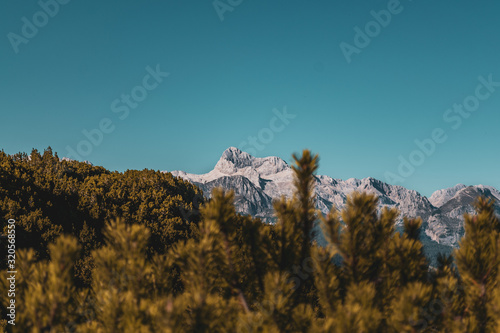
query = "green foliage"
{"x": 45, "y": 291}
{"x": 150, "y": 271}
{"x": 477, "y": 261}
{"x": 49, "y": 197}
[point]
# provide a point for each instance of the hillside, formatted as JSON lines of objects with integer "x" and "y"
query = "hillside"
{"x": 49, "y": 197}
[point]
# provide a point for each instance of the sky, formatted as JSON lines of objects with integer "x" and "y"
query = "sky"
{"x": 407, "y": 92}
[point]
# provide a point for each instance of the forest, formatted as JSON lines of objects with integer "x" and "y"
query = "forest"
{"x": 138, "y": 251}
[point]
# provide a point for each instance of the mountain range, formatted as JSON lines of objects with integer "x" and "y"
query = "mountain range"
{"x": 258, "y": 181}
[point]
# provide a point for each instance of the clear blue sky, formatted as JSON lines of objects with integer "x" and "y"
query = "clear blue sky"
{"x": 227, "y": 76}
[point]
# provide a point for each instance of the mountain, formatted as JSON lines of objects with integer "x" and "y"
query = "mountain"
{"x": 440, "y": 197}
{"x": 446, "y": 223}
{"x": 258, "y": 181}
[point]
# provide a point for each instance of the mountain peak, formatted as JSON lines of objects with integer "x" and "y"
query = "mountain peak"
{"x": 234, "y": 154}
{"x": 233, "y": 159}
{"x": 259, "y": 180}
{"x": 440, "y": 197}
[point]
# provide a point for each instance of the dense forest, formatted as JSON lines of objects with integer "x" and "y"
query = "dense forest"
{"x": 101, "y": 251}
{"x": 49, "y": 197}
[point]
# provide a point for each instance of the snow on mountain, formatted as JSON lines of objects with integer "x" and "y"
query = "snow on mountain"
{"x": 446, "y": 224}
{"x": 494, "y": 192}
{"x": 265, "y": 179}
{"x": 440, "y": 197}
{"x": 234, "y": 160}
{"x": 258, "y": 181}
{"x": 255, "y": 181}
{"x": 67, "y": 159}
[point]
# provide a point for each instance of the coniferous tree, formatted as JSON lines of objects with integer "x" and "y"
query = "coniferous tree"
{"x": 477, "y": 261}
{"x": 45, "y": 293}
{"x": 120, "y": 297}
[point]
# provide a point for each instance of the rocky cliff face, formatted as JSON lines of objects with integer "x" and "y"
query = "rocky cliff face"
{"x": 258, "y": 181}
{"x": 446, "y": 223}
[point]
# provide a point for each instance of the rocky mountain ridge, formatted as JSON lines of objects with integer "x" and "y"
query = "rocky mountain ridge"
{"x": 258, "y": 181}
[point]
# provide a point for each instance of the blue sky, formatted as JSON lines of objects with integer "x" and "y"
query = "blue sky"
{"x": 227, "y": 76}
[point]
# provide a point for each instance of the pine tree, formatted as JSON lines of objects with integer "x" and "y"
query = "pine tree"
{"x": 477, "y": 261}
{"x": 45, "y": 292}
{"x": 449, "y": 295}
{"x": 378, "y": 270}
{"x": 121, "y": 283}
